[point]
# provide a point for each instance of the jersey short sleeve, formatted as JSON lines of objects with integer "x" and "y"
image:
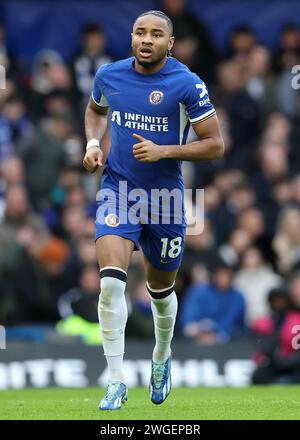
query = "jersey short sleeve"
{"x": 97, "y": 93}
{"x": 197, "y": 102}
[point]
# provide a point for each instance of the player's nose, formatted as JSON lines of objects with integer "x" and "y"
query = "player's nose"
{"x": 147, "y": 39}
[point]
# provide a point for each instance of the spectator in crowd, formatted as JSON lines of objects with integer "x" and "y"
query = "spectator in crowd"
{"x": 12, "y": 172}
{"x": 288, "y": 52}
{"x": 242, "y": 41}
{"x": 91, "y": 56}
{"x": 276, "y": 129}
{"x": 254, "y": 279}
{"x": 213, "y": 312}
{"x": 82, "y": 300}
{"x": 260, "y": 83}
{"x": 50, "y": 74}
{"x": 44, "y": 155}
{"x": 193, "y": 44}
{"x": 252, "y": 221}
{"x": 233, "y": 250}
{"x": 286, "y": 242}
{"x": 239, "y": 198}
{"x": 73, "y": 224}
{"x": 244, "y": 113}
{"x": 18, "y": 213}
{"x": 53, "y": 258}
{"x": 15, "y": 112}
{"x": 286, "y": 57}
{"x": 278, "y": 360}
{"x": 200, "y": 248}
{"x": 140, "y": 322}
{"x": 78, "y": 307}
{"x": 278, "y": 304}
{"x": 25, "y": 294}
{"x": 274, "y": 165}
{"x": 227, "y": 179}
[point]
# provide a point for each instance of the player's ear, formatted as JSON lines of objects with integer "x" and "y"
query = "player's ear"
{"x": 171, "y": 43}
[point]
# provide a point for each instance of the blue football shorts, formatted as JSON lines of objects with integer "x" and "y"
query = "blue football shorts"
{"x": 160, "y": 236}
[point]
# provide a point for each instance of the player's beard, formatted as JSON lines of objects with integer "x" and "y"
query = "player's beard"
{"x": 151, "y": 63}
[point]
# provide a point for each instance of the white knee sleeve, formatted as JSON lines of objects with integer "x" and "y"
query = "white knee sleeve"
{"x": 112, "y": 310}
{"x": 164, "y": 310}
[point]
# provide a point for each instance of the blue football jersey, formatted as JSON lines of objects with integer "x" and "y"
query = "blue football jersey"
{"x": 160, "y": 107}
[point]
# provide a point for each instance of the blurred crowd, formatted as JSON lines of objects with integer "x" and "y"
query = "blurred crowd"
{"x": 234, "y": 274}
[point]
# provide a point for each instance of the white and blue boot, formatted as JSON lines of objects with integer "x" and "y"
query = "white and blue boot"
{"x": 160, "y": 382}
{"x": 116, "y": 394}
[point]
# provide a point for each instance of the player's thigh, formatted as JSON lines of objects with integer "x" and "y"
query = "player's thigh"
{"x": 157, "y": 278}
{"x": 162, "y": 246}
{"x": 113, "y": 250}
{"x": 115, "y": 236}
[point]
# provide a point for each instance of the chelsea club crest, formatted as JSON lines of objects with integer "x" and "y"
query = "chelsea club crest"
{"x": 156, "y": 97}
{"x": 112, "y": 220}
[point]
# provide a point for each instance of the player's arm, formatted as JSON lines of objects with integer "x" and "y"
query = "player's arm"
{"x": 95, "y": 127}
{"x": 209, "y": 146}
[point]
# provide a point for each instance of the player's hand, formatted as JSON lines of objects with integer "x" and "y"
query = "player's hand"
{"x": 145, "y": 150}
{"x": 92, "y": 159}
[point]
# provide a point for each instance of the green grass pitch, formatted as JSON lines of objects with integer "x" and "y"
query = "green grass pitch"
{"x": 261, "y": 403}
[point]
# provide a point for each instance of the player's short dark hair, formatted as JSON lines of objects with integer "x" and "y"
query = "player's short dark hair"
{"x": 159, "y": 14}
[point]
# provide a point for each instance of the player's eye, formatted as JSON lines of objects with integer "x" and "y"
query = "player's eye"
{"x": 157, "y": 35}
{"x": 139, "y": 33}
